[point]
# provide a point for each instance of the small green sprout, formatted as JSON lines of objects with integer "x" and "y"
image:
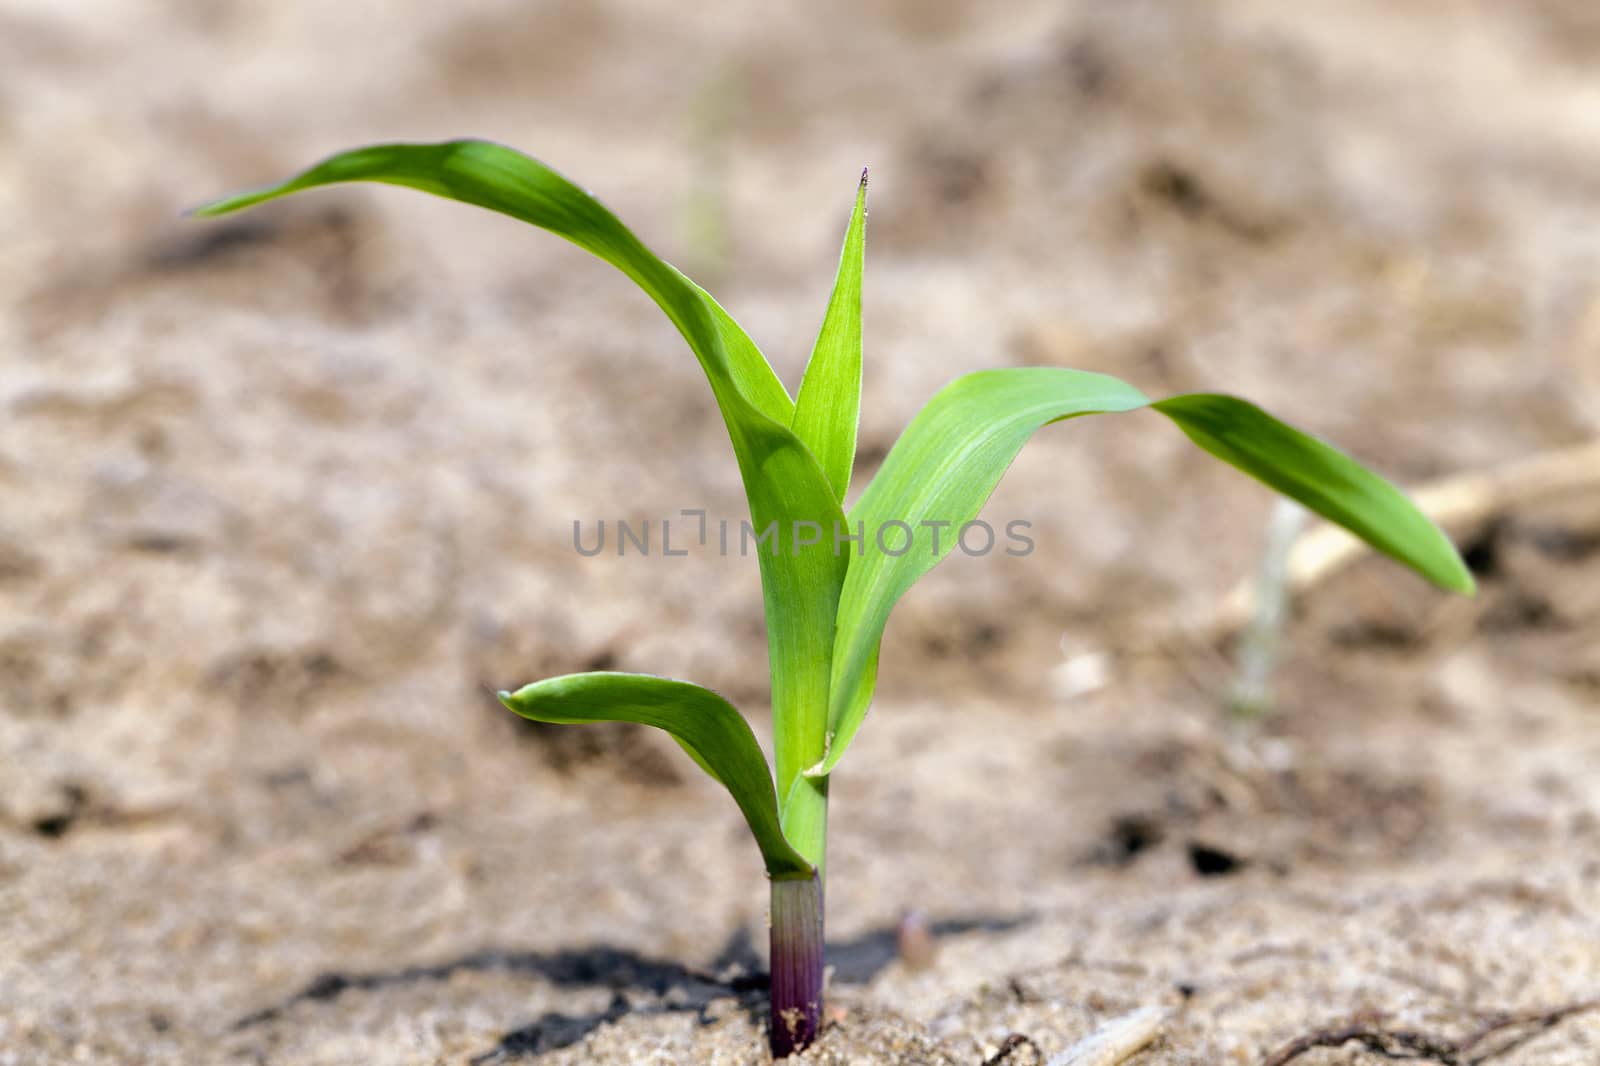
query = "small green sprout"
{"x": 828, "y": 596}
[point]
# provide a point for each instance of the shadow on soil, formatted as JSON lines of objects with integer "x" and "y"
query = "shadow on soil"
{"x": 673, "y": 987}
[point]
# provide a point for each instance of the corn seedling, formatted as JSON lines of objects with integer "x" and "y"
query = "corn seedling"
{"x": 830, "y": 578}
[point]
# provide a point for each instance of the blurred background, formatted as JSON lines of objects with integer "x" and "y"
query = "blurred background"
{"x": 283, "y": 495}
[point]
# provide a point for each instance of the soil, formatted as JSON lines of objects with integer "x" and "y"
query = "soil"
{"x": 282, "y": 497}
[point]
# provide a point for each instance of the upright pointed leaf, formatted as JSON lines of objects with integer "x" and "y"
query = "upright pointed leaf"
{"x": 828, "y": 407}
{"x": 714, "y": 734}
{"x": 786, "y": 489}
{"x": 951, "y": 456}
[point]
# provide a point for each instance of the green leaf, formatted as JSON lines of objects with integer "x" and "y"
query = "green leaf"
{"x": 502, "y": 179}
{"x": 942, "y": 469}
{"x": 707, "y": 726}
{"x": 1322, "y": 478}
{"x": 828, "y": 407}
{"x": 951, "y": 456}
{"x": 786, "y": 489}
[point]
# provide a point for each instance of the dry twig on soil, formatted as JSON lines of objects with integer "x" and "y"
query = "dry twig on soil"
{"x": 1471, "y": 1050}
{"x": 1462, "y": 498}
{"x": 1116, "y": 1041}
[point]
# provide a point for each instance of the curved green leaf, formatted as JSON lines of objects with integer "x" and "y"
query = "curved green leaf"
{"x": 1322, "y": 478}
{"x": 828, "y": 406}
{"x": 942, "y": 469}
{"x": 786, "y": 489}
{"x": 707, "y": 726}
{"x": 504, "y": 180}
{"x": 949, "y": 459}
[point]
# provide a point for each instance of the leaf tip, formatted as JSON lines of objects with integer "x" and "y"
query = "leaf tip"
{"x": 224, "y": 206}
{"x": 863, "y": 177}
{"x": 1449, "y": 571}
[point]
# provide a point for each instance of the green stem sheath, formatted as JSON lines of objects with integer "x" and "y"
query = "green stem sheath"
{"x": 797, "y": 943}
{"x": 805, "y": 818}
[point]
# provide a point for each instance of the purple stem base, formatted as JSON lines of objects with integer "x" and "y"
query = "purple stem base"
{"x": 796, "y": 965}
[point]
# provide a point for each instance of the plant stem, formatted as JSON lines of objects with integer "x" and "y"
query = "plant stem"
{"x": 805, "y": 819}
{"x": 1262, "y": 639}
{"x": 796, "y": 963}
{"x": 799, "y": 741}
